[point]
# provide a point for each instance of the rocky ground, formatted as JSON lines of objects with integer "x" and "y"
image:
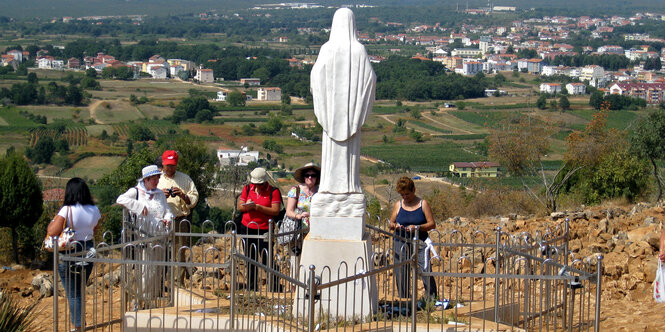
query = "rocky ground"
{"x": 627, "y": 236}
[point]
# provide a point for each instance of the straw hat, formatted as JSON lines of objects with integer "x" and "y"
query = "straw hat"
{"x": 258, "y": 175}
{"x": 149, "y": 171}
{"x": 298, "y": 174}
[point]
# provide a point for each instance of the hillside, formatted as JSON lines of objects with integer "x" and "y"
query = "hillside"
{"x": 627, "y": 236}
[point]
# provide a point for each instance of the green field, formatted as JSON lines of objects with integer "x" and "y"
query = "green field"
{"x": 53, "y": 113}
{"x": 155, "y": 112}
{"x": 93, "y": 167}
{"x": 117, "y": 112}
{"x": 421, "y": 157}
{"x": 615, "y": 119}
{"x": 486, "y": 119}
{"x": 13, "y": 119}
{"x": 430, "y": 127}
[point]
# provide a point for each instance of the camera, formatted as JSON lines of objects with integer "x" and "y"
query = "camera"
{"x": 172, "y": 193}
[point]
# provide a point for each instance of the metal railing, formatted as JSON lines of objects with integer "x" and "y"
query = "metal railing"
{"x": 239, "y": 282}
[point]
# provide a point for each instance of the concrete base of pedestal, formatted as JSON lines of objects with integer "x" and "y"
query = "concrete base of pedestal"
{"x": 334, "y": 260}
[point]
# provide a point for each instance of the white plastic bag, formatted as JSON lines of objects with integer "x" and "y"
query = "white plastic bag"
{"x": 659, "y": 283}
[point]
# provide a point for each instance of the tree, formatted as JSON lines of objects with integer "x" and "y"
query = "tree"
{"x": 541, "y": 103}
{"x": 564, "y": 103}
{"x": 648, "y": 141}
{"x": 203, "y": 115}
{"x": 619, "y": 174}
{"x": 553, "y": 105}
{"x": 32, "y": 78}
{"x": 20, "y": 198}
{"x": 90, "y": 83}
{"x": 596, "y": 100}
{"x": 91, "y": 72}
{"x": 236, "y": 98}
{"x": 653, "y": 64}
{"x": 140, "y": 133}
{"x": 286, "y": 99}
{"x": 43, "y": 150}
{"x": 520, "y": 146}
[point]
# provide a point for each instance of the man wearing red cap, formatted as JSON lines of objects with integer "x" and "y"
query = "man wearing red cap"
{"x": 181, "y": 196}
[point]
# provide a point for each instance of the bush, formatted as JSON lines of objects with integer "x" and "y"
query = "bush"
{"x": 13, "y": 317}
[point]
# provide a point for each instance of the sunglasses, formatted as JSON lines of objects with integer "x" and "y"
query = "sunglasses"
{"x": 311, "y": 175}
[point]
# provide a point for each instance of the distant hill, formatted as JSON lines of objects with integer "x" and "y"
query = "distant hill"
{"x": 50, "y": 9}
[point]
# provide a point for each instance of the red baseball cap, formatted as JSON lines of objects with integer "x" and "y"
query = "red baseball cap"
{"x": 169, "y": 157}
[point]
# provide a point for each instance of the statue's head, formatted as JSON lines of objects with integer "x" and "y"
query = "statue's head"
{"x": 343, "y": 26}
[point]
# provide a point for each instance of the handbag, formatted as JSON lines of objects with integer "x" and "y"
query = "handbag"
{"x": 66, "y": 238}
{"x": 659, "y": 283}
{"x": 237, "y": 219}
{"x": 286, "y": 226}
{"x": 289, "y": 225}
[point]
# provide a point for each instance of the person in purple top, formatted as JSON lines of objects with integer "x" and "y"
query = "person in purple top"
{"x": 409, "y": 212}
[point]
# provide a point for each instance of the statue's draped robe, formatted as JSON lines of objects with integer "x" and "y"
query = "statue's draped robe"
{"x": 343, "y": 86}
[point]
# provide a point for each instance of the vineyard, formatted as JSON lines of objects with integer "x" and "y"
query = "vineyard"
{"x": 159, "y": 128}
{"x": 122, "y": 129}
{"x": 74, "y": 135}
{"x": 421, "y": 157}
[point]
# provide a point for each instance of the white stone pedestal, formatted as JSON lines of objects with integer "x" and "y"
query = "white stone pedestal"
{"x": 334, "y": 260}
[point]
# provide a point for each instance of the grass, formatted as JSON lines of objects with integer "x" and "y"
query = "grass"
{"x": 562, "y": 134}
{"x": 93, "y": 167}
{"x": 117, "y": 111}
{"x": 486, "y": 118}
{"x": 615, "y": 119}
{"x": 430, "y": 127}
{"x": 248, "y": 119}
{"x": 387, "y": 109}
{"x": 152, "y": 111}
{"x": 53, "y": 113}
{"x": 465, "y": 137}
{"x": 421, "y": 157}
{"x": 11, "y": 116}
{"x": 501, "y": 107}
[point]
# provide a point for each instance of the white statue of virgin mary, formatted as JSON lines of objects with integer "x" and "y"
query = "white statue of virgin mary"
{"x": 343, "y": 86}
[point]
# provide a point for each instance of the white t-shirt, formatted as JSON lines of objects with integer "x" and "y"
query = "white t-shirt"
{"x": 85, "y": 219}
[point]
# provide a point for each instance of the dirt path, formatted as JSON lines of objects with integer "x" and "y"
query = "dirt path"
{"x": 93, "y": 111}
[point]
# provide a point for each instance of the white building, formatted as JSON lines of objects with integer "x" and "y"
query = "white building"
{"x": 466, "y": 52}
{"x": 594, "y": 74}
{"x": 576, "y": 88}
{"x": 240, "y": 157}
{"x": 58, "y": 64}
{"x": 18, "y": 55}
{"x": 611, "y": 49}
{"x": 550, "y": 88}
{"x": 45, "y": 62}
{"x": 269, "y": 94}
{"x": 472, "y": 67}
{"x": 175, "y": 70}
{"x": 158, "y": 72}
{"x": 204, "y": 75}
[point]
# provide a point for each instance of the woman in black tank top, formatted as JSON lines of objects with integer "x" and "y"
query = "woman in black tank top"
{"x": 411, "y": 212}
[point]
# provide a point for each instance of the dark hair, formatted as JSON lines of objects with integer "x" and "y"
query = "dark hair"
{"x": 158, "y": 162}
{"x": 77, "y": 191}
{"x": 404, "y": 185}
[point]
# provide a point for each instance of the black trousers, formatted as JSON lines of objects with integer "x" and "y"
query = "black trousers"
{"x": 257, "y": 249}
